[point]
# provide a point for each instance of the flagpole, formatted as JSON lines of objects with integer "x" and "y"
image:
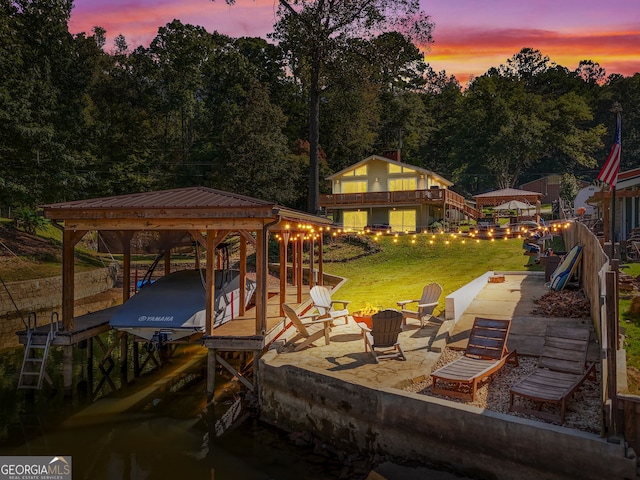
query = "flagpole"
{"x": 617, "y": 109}
{"x": 612, "y": 319}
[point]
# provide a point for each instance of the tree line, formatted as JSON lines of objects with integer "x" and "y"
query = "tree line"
{"x": 80, "y": 119}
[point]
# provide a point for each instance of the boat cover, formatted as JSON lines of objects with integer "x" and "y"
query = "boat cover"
{"x": 177, "y": 302}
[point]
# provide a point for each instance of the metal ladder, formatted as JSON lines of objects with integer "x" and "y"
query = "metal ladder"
{"x": 35, "y": 354}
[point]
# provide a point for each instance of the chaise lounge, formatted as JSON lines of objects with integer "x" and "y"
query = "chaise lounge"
{"x": 485, "y": 354}
{"x": 561, "y": 370}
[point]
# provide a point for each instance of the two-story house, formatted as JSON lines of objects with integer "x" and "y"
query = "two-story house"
{"x": 382, "y": 191}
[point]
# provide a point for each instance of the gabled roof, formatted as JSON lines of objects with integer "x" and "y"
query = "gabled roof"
{"x": 421, "y": 170}
{"x": 508, "y": 192}
{"x": 178, "y": 203}
{"x": 191, "y": 197}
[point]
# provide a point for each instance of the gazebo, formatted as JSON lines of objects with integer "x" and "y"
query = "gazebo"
{"x": 206, "y": 217}
{"x": 499, "y": 197}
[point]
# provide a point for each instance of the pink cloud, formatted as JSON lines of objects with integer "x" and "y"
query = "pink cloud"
{"x": 474, "y": 51}
{"x": 567, "y": 31}
{"x": 139, "y": 21}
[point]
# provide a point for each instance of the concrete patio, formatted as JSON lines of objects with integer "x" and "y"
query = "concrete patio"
{"x": 513, "y": 299}
{"x": 340, "y": 394}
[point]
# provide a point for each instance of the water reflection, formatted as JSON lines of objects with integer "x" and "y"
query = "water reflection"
{"x": 167, "y": 437}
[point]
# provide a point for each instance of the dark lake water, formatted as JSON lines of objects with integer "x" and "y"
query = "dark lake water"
{"x": 168, "y": 438}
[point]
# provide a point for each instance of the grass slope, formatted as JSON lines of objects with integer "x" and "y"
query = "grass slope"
{"x": 407, "y": 263}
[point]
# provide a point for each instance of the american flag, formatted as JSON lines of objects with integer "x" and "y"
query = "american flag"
{"x": 609, "y": 172}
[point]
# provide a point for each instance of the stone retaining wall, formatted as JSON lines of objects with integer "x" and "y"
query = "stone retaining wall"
{"x": 428, "y": 430}
{"x": 43, "y": 296}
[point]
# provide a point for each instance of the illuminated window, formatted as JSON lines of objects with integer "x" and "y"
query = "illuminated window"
{"x": 393, "y": 168}
{"x": 402, "y": 184}
{"x": 402, "y": 220}
{"x": 354, "y": 187}
{"x": 357, "y": 172}
{"x": 353, "y": 220}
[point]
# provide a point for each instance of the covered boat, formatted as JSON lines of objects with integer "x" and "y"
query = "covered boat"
{"x": 173, "y": 307}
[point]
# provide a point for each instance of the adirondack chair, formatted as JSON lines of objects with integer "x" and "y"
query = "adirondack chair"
{"x": 309, "y": 330}
{"x": 485, "y": 354}
{"x": 425, "y": 305}
{"x": 382, "y": 338}
{"x": 322, "y": 301}
{"x": 561, "y": 370}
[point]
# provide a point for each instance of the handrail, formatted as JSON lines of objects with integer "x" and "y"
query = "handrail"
{"x": 54, "y": 326}
{"x": 32, "y": 315}
{"x": 399, "y": 197}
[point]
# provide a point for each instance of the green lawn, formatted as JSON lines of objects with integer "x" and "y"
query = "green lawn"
{"x": 407, "y": 263}
{"x": 46, "y": 261}
{"x": 630, "y": 324}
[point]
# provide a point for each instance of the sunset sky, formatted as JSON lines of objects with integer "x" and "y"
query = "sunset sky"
{"x": 470, "y": 36}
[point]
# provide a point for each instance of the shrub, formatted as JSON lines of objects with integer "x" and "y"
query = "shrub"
{"x": 29, "y": 220}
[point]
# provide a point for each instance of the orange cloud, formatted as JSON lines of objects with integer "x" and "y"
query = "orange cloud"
{"x": 473, "y": 52}
{"x": 462, "y": 51}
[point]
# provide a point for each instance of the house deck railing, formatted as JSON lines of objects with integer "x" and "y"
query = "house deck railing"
{"x": 446, "y": 198}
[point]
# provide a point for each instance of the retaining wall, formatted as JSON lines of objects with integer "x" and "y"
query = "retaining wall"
{"x": 418, "y": 428}
{"x": 457, "y": 302}
{"x": 44, "y": 295}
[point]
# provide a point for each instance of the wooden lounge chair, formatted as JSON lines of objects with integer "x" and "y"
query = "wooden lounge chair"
{"x": 326, "y": 306}
{"x": 561, "y": 370}
{"x": 309, "y": 330}
{"x": 426, "y": 304}
{"x": 485, "y": 354}
{"x": 382, "y": 338}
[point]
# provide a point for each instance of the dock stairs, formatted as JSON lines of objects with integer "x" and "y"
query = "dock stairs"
{"x": 36, "y": 352}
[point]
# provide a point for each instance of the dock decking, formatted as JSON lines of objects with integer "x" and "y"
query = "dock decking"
{"x": 237, "y": 334}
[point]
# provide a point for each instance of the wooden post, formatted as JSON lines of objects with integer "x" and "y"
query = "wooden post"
{"x": 167, "y": 261}
{"x": 312, "y": 262}
{"x": 243, "y": 275}
{"x": 197, "y": 251}
{"x": 211, "y": 293}
{"x": 283, "y": 270}
{"x": 299, "y": 245}
{"x": 211, "y": 374}
{"x": 611, "y": 349}
{"x": 261, "y": 288}
{"x": 67, "y": 369}
{"x": 69, "y": 240}
{"x": 606, "y": 226}
{"x": 126, "y": 267}
{"x": 294, "y": 262}
{"x": 124, "y": 360}
{"x": 90, "y": 366}
{"x": 320, "y": 269}
{"x": 136, "y": 360}
{"x": 68, "y": 276}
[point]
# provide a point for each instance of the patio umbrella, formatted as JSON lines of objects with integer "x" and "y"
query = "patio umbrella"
{"x": 514, "y": 205}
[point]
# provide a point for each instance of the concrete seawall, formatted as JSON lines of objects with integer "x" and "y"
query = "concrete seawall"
{"x": 424, "y": 429}
{"x": 44, "y": 295}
